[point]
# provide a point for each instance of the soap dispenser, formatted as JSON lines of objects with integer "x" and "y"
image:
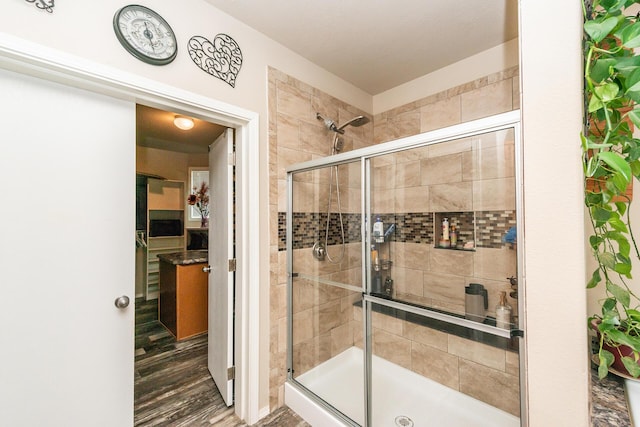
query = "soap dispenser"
{"x": 503, "y": 312}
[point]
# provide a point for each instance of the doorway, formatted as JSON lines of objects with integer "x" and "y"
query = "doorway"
{"x": 173, "y": 361}
{"x": 126, "y": 90}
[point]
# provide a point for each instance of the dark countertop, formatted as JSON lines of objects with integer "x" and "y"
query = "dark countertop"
{"x": 608, "y": 401}
{"x": 185, "y": 257}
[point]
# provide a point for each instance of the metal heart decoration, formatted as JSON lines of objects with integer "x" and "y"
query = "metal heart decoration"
{"x": 221, "y": 59}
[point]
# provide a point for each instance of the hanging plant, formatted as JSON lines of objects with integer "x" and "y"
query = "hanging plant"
{"x": 611, "y": 156}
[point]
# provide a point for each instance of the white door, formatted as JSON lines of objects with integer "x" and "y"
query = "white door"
{"x": 221, "y": 280}
{"x": 67, "y": 229}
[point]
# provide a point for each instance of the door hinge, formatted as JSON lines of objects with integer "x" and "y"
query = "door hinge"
{"x": 231, "y": 373}
{"x": 232, "y": 159}
{"x": 232, "y": 264}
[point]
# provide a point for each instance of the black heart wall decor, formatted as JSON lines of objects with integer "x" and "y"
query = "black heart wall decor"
{"x": 46, "y": 5}
{"x": 221, "y": 58}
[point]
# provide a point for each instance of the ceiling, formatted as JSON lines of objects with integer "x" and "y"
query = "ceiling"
{"x": 155, "y": 129}
{"x": 376, "y": 45}
{"x": 379, "y": 44}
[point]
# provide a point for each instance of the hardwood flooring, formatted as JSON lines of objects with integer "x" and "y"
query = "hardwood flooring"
{"x": 173, "y": 386}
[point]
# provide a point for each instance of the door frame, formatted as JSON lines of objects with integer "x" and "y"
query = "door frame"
{"x": 27, "y": 58}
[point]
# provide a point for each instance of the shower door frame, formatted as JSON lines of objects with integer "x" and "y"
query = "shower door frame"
{"x": 498, "y": 122}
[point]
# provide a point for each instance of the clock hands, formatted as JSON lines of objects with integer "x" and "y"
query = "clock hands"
{"x": 149, "y": 35}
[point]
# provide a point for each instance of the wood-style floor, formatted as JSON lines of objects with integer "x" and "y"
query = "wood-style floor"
{"x": 173, "y": 386}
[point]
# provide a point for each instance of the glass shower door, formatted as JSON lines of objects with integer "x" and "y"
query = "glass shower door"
{"x": 437, "y": 275}
{"x": 326, "y": 286}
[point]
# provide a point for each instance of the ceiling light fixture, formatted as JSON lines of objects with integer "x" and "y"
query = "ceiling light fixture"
{"x": 182, "y": 122}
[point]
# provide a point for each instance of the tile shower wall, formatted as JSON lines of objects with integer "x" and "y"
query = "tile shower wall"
{"x": 296, "y": 135}
{"x": 484, "y": 372}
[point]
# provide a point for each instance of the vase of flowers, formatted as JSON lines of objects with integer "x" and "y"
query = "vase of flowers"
{"x": 199, "y": 199}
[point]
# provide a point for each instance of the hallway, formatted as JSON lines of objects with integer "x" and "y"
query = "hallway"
{"x": 172, "y": 383}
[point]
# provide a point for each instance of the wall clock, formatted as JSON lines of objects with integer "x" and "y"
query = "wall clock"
{"x": 145, "y": 34}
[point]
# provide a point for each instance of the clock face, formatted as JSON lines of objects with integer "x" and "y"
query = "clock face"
{"x": 145, "y": 34}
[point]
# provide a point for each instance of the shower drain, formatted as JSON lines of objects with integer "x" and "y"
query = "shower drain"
{"x": 404, "y": 421}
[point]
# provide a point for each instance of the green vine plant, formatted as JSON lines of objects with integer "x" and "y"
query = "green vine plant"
{"x": 610, "y": 162}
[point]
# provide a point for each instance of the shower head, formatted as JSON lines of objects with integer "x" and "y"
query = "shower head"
{"x": 355, "y": 122}
{"x": 330, "y": 124}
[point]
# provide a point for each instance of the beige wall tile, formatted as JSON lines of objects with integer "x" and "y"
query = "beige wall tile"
{"x": 418, "y": 153}
{"x": 412, "y": 199}
{"x": 451, "y": 147}
{"x": 412, "y": 255}
{"x": 388, "y": 323}
{"x": 440, "y": 114}
{"x": 494, "y": 194}
{"x": 449, "y": 262}
{"x": 488, "y": 163}
{"x": 309, "y": 354}
{"x": 512, "y": 366}
{"x": 454, "y": 197}
{"x": 288, "y": 132}
{"x": 341, "y": 338}
{"x": 445, "y": 288}
{"x": 495, "y": 264}
{"x": 407, "y": 281}
{"x": 294, "y": 102}
{"x": 494, "y": 387}
{"x": 383, "y": 201}
{"x": 288, "y": 157}
{"x": 437, "y": 365}
{"x": 392, "y": 347}
{"x": 441, "y": 170}
{"x": 383, "y": 176}
{"x": 483, "y": 354}
{"x": 486, "y": 101}
{"x": 408, "y": 174}
{"x": 305, "y": 326}
{"x": 427, "y": 336}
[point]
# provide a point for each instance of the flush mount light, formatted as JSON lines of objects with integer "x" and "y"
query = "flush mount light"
{"x": 182, "y": 122}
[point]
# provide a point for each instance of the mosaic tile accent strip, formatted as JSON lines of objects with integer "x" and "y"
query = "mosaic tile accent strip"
{"x": 310, "y": 227}
{"x": 414, "y": 227}
{"x": 491, "y": 226}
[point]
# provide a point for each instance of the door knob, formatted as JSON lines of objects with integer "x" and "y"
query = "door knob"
{"x": 122, "y": 302}
{"x": 207, "y": 269}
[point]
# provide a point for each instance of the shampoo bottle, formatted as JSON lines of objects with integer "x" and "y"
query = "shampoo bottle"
{"x": 378, "y": 230}
{"x": 503, "y": 312}
{"x": 445, "y": 229}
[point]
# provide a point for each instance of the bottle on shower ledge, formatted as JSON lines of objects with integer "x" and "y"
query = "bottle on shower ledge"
{"x": 503, "y": 312}
{"x": 378, "y": 230}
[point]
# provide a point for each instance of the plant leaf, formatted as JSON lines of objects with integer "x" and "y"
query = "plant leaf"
{"x": 607, "y": 259}
{"x": 595, "y": 279}
{"x": 632, "y": 366}
{"x": 606, "y": 359}
{"x": 619, "y": 293}
{"x": 598, "y": 29}
{"x": 617, "y": 163}
{"x": 630, "y": 36}
{"x": 624, "y": 269}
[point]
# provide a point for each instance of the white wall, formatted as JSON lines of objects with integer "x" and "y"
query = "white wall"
{"x": 551, "y": 81}
{"x": 84, "y": 29}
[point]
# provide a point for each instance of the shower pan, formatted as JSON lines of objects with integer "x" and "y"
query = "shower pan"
{"x": 412, "y": 358}
{"x": 320, "y": 247}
